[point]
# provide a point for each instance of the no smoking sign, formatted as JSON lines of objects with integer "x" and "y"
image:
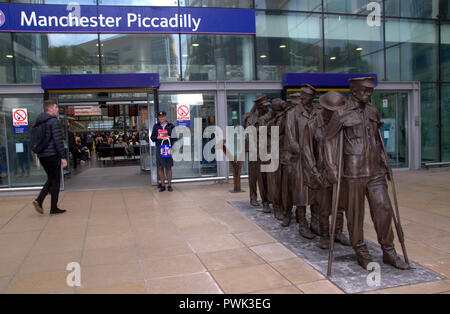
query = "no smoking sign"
{"x": 20, "y": 120}
{"x": 183, "y": 112}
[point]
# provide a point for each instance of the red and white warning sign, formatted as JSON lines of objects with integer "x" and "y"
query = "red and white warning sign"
{"x": 20, "y": 117}
{"x": 183, "y": 112}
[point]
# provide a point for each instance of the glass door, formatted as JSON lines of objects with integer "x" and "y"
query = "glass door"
{"x": 393, "y": 108}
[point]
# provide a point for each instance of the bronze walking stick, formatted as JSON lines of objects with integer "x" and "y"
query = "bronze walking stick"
{"x": 396, "y": 214}
{"x": 336, "y": 191}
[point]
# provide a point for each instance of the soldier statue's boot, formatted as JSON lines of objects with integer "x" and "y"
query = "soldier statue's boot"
{"x": 339, "y": 235}
{"x": 324, "y": 242}
{"x": 363, "y": 256}
{"x": 391, "y": 257}
{"x": 342, "y": 239}
{"x": 278, "y": 212}
{"x": 287, "y": 218}
{"x": 315, "y": 219}
{"x": 254, "y": 203}
{"x": 266, "y": 208}
{"x": 303, "y": 227}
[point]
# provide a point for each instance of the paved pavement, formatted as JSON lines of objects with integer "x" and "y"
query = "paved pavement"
{"x": 192, "y": 241}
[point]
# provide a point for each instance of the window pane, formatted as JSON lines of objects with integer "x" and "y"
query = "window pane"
{"x": 201, "y": 106}
{"x": 411, "y": 50}
{"x": 444, "y": 8}
{"x": 6, "y": 59}
{"x": 24, "y": 167}
{"x": 445, "y": 52}
{"x": 141, "y": 53}
{"x": 292, "y": 5}
{"x": 445, "y": 121}
{"x": 352, "y": 46}
{"x": 217, "y": 57}
{"x": 412, "y": 8}
{"x": 237, "y": 105}
{"x": 38, "y": 53}
{"x": 287, "y": 42}
{"x": 245, "y": 4}
{"x": 349, "y": 6}
{"x": 163, "y": 3}
{"x": 430, "y": 119}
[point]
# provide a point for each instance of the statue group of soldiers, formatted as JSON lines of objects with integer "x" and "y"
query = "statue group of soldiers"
{"x": 317, "y": 148}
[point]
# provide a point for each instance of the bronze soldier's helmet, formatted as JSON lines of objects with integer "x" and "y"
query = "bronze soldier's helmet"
{"x": 332, "y": 101}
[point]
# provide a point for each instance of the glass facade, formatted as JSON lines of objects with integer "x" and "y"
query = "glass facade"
{"x": 410, "y": 43}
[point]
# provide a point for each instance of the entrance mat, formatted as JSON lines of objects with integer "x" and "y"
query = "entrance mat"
{"x": 346, "y": 273}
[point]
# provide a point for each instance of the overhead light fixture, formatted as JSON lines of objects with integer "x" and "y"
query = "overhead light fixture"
{"x": 263, "y": 56}
{"x": 282, "y": 46}
{"x": 195, "y": 45}
{"x": 333, "y": 58}
{"x": 359, "y": 49}
{"x": 9, "y": 56}
{"x": 185, "y": 55}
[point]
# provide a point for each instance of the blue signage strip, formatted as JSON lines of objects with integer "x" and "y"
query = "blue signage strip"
{"x": 99, "y": 81}
{"x": 322, "y": 80}
{"x": 124, "y": 19}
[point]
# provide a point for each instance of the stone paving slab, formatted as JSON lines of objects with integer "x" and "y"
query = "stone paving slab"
{"x": 347, "y": 274}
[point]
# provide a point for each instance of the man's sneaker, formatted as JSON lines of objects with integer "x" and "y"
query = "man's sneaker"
{"x": 169, "y": 188}
{"x": 57, "y": 211}
{"x": 162, "y": 188}
{"x": 38, "y": 207}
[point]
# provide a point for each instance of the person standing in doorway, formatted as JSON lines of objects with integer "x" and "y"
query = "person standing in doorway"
{"x": 52, "y": 155}
{"x": 162, "y": 135}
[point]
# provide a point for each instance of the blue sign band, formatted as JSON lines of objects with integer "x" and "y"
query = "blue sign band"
{"x": 322, "y": 80}
{"x": 124, "y": 19}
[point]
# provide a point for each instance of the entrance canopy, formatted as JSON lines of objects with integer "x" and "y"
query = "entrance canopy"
{"x": 322, "y": 81}
{"x": 79, "y": 82}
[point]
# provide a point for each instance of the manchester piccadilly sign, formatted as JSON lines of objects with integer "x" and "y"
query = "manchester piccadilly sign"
{"x": 121, "y": 19}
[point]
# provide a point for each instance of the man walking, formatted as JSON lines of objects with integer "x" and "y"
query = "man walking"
{"x": 51, "y": 155}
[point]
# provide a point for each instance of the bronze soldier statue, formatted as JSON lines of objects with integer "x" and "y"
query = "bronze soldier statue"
{"x": 275, "y": 118}
{"x": 257, "y": 179}
{"x": 295, "y": 190}
{"x": 315, "y": 167}
{"x": 364, "y": 171}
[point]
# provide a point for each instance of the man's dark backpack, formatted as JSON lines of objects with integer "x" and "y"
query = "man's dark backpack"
{"x": 39, "y": 138}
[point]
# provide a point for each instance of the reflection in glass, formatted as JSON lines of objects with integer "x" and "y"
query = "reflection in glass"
{"x": 217, "y": 57}
{"x": 239, "y": 104}
{"x": 23, "y": 164}
{"x": 352, "y": 46}
{"x": 349, "y": 6}
{"x": 430, "y": 119}
{"x": 201, "y": 106}
{"x": 413, "y": 8}
{"x": 38, "y": 53}
{"x": 393, "y": 108}
{"x": 291, "y": 5}
{"x": 287, "y": 42}
{"x": 411, "y": 53}
{"x": 445, "y": 121}
{"x": 445, "y": 52}
{"x": 6, "y": 59}
{"x": 244, "y": 4}
{"x": 141, "y": 53}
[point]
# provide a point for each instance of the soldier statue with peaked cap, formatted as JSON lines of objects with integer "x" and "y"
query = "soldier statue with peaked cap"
{"x": 257, "y": 179}
{"x": 364, "y": 171}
